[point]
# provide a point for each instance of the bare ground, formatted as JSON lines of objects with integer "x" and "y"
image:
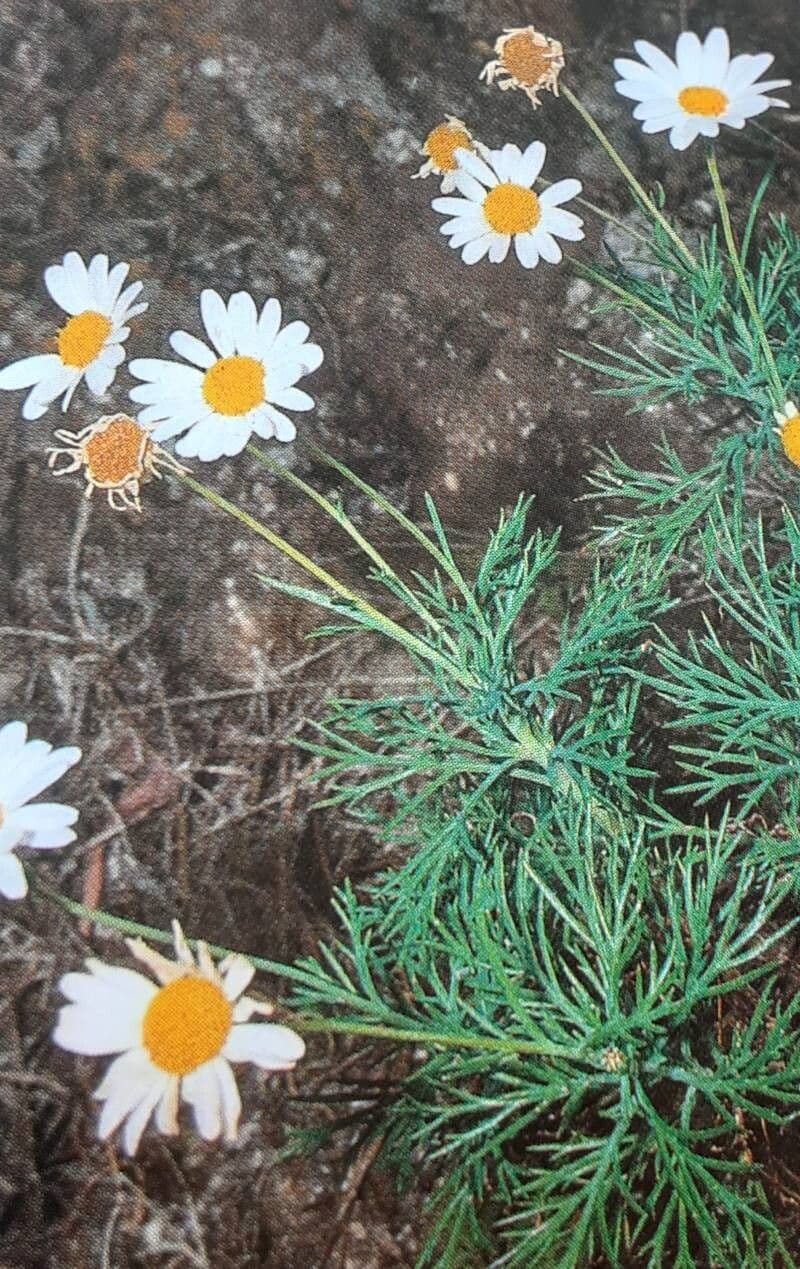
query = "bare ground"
{"x": 234, "y": 143}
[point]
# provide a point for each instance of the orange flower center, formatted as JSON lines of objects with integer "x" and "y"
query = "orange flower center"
{"x": 511, "y": 209}
{"x": 234, "y": 385}
{"x": 790, "y": 439}
{"x": 114, "y": 454}
{"x": 441, "y": 145}
{"x": 527, "y": 61}
{"x": 80, "y": 340}
{"x": 708, "y": 102}
{"x": 186, "y": 1024}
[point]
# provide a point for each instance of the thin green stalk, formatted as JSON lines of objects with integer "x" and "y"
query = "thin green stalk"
{"x": 447, "y": 566}
{"x": 310, "y": 1024}
{"x": 744, "y": 286}
{"x": 389, "y": 627}
{"x": 344, "y": 522}
{"x": 637, "y": 188}
{"x": 632, "y": 301}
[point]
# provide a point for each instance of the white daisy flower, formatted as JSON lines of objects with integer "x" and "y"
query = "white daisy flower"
{"x": 232, "y": 390}
{"x": 27, "y": 767}
{"x": 89, "y": 344}
{"x": 175, "y": 1037}
{"x": 439, "y": 150}
{"x": 701, "y": 89}
{"x": 499, "y": 204}
{"x": 788, "y": 429}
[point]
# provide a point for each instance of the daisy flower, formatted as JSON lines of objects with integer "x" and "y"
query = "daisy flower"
{"x": 232, "y": 389}
{"x": 175, "y": 1037}
{"x": 526, "y": 59}
{"x": 788, "y": 429}
{"x": 89, "y": 344}
{"x": 498, "y": 205}
{"x": 701, "y": 89}
{"x": 27, "y": 768}
{"x": 439, "y": 149}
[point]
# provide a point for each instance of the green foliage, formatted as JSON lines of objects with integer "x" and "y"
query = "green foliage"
{"x": 598, "y": 1029}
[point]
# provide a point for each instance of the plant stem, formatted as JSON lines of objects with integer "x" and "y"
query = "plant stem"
{"x": 311, "y": 1024}
{"x": 344, "y": 522}
{"x": 631, "y": 301}
{"x": 636, "y": 187}
{"x": 385, "y": 624}
{"x": 741, "y": 278}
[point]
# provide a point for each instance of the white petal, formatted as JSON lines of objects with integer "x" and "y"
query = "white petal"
{"x": 201, "y": 1089}
{"x": 664, "y": 67}
{"x": 560, "y": 192}
{"x": 563, "y": 223}
{"x": 262, "y": 423}
{"x": 267, "y": 1045}
{"x": 178, "y": 420}
{"x": 476, "y": 167}
{"x": 455, "y": 206}
{"x": 716, "y": 56}
{"x": 12, "y": 740}
{"x": 547, "y": 246}
{"x": 745, "y": 69}
{"x": 244, "y": 323}
{"x": 124, "y": 306}
{"x": 289, "y": 340}
{"x": 116, "y": 277}
{"x": 237, "y": 974}
{"x": 626, "y": 68}
{"x": 60, "y": 287}
{"x": 292, "y": 399}
{"x": 526, "y": 250}
{"x": 98, "y": 282}
{"x": 498, "y": 248}
{"x": 269, "y": 323}
{"x": 684, "y": 133}
{"x": 44, "y": 825}
{"x": 230, "y": 1101}
{"x": 34, "y": 772}
{"x": 531, "y": 163}
{"x": 167, "y": 1109}
{"x": 476, "y": 249}
{"x": 140, "y": 1116}
{"x": 99, "y": 377}
{"x": 30, "y": 370}
{"x": 13, "y": 883}
{"x": 466, "y": 185}
{"x": 171, "y": 374}
{"x": 78, "y": 279}
{"x": 688, "y": 55}
{"x": 192, "y": 348}
{"x": 656, "y": 108}
{"x": 217, "y": 323}
{"x": 283, "y": 427}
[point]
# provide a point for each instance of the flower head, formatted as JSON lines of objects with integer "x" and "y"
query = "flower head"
{"x": 116, "y": 454}
{"x": 703, "y": 88}
{"x": 788, "y": 429}
{"x": 27, "y": 768}
{"x": 176, "y": 1038}
{"x": 439, "y": 149}
{"x": 89, "y": 344}
{"x": 232, "y": 389}
{"x": 526, "y": 59}
{"x": 499, "y": 205}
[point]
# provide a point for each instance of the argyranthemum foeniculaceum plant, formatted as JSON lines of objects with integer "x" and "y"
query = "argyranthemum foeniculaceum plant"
{"x": 589, "y": 990}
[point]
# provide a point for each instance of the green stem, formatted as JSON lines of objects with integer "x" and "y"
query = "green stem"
{"x": 741, "y": 278}
{"x": 631, "y": 300}
{"x": 344, "y": 522}
{"x": 310, "y": 1024}
{"x": 389, "y": 627}
{"x": 414, "y": 531}
{"x": 636, "y": 187}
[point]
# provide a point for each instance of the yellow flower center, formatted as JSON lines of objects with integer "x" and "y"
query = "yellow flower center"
{"x": 441, "y": 145}
{"x": 525, "y": 60}
{"x": 708, "y": 102}
{"x": 234, "y": 385}
{"x": 511, "y": 209}
{"x": 790, "y": 439}
{"x": 114, "y": 454}
{"x": 80, "y": 340}
{"x": 186, "y": 1024}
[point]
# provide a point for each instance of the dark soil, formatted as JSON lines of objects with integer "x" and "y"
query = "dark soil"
{"x": 240, "y": 143}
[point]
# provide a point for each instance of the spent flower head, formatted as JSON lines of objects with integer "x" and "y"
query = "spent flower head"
{"x": 116, "y": 454}
{"x": 238, "y": 386}
{"x": 439, "y": 150}
{"x": 703, "y": 88}
{"x": 498, "y": 206}
{"x": 527, "y": 59}
{"x": 90, "y": 343}
{"x": 175, "y": 1038}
